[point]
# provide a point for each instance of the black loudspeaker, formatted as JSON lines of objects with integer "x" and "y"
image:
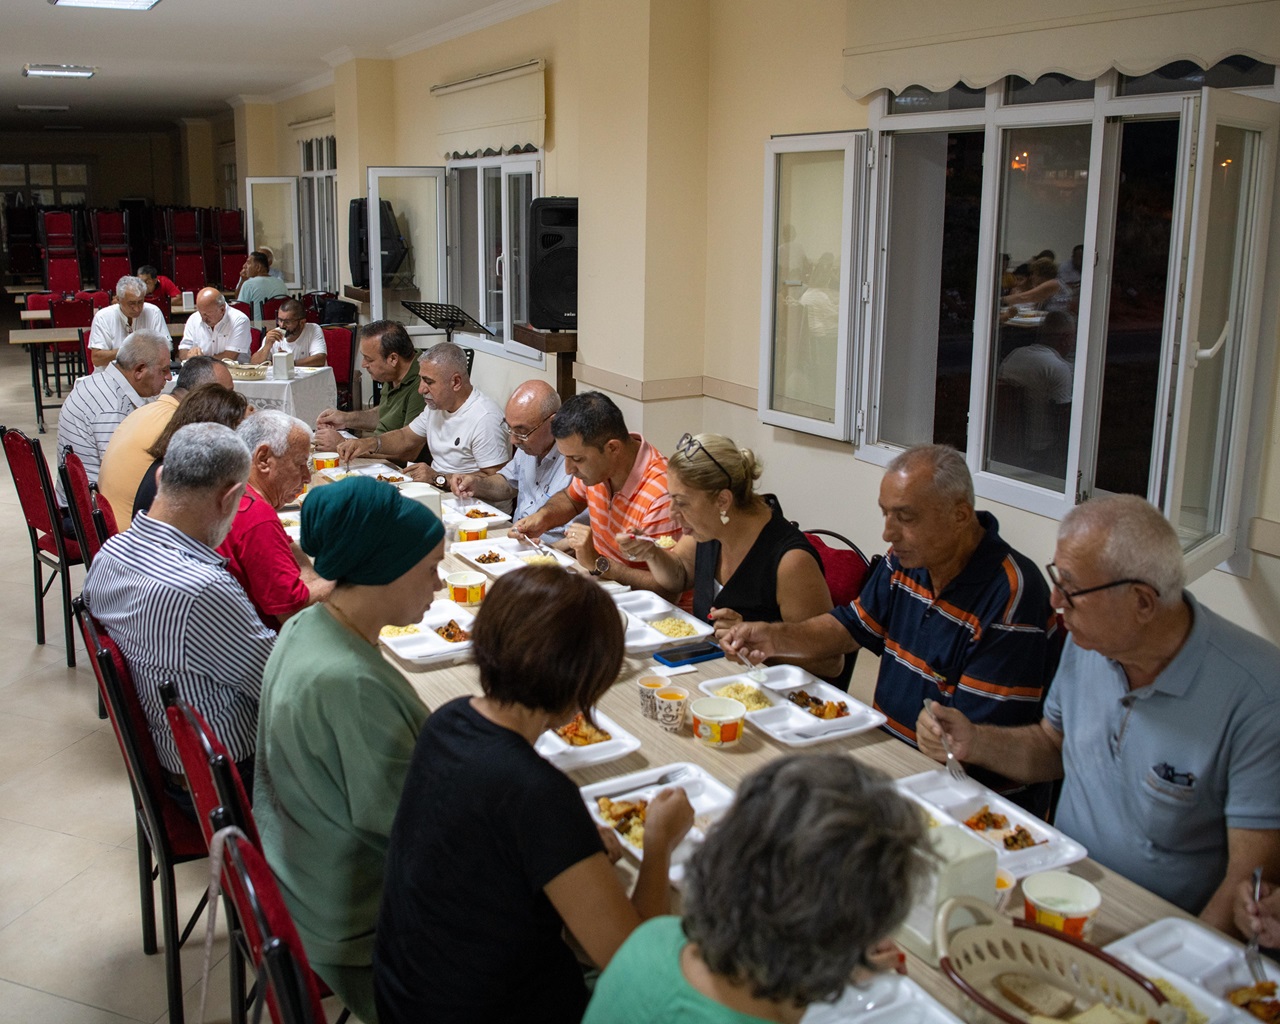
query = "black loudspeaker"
{"x": 553, "y": 264}
{"x": 394, "y": 246}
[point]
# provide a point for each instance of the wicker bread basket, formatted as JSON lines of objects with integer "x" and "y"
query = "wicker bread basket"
{"x": 973, "y": 956}
{"x": 246, "y": 371}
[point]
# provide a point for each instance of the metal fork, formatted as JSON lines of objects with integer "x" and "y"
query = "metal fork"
{"x": 954, "y": 768}
{"x": 1251, "y": 957}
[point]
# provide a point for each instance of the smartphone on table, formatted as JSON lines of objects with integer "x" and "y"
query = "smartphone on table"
{"x": 688, "y": 654}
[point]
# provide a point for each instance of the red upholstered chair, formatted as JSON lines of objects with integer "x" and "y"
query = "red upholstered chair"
{"x": 229, "y": 263}
{"x": 104, "y": 517}
{"x": 86, "y": 356}
{"x": 255, "y": 339}
{"x": 164, "y": 832}
{"x": 99, "y": 298}
{"x": 339, "y": 340}
{"x": 41, "y": 301}
{"x": 161, "y": 300}
{"x": 187, "y": 271}
{"x": 80, "y": 505}
{"x": 244, "y": 308}
{"x": 68, "y": 313}
{"x": 270, "y": 307}
{"x": 846, "y": 570}
{"x": 50, "y": 547}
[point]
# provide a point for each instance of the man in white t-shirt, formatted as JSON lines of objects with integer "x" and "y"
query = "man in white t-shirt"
{"x": 461, "y": 426}
{"x": 215, "y": 329}
{"x": 293, "y": 334}
{"x": 131, "y": 312}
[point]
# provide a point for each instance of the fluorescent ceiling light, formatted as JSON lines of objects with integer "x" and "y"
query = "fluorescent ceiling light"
{"x": 57, "y": 71}
{"x": 41, "y": 108}
{"x": 113, "y": 5}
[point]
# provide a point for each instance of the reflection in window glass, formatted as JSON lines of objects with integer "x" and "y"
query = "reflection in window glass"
{"x": 13, "y": 175}
{"x": 41, "y": 174}
{"x": 935, "y": 201}
{"x": 413, "y": 204}
{"x": 1043, "y": 192}
{"x": 42, "y": 196}
{"x": 271, "y": 208}
{"x": 519, "y": 197}
{"x": 1047, "y": 89}
{"x": 72, "y": 174}
{"x": 807, "y": 283}
{"x": 1235, "y": 72}
{"x": 915, "y": 99}
{"x": 71, "y": 198}
{"x": 1136, "y": 306}
{"x": 464, "y": 246}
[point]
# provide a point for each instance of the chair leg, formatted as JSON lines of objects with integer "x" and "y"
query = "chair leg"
{"x": 238, "y": 994}
{"x": 39, "y": 575}
{"x": 65, "y": 573}
{"x": 146, "y": 892}
{"x": 172, "y": 943}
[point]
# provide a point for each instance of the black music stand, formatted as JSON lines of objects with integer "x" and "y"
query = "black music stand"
{"x": 444, "y": 317}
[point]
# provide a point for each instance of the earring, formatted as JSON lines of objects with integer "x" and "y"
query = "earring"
{"x": 724, "y": 516}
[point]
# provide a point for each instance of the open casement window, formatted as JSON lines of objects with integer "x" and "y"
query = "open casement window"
{"x": 1068, "y": 290}
{"x": 406, "y": 243}
{"x": 272, "y": 211}
{"x": 815, "y": 187}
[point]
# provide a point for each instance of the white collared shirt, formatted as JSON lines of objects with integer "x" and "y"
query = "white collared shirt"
{"x": 110, "y": 326}
{"x": 310, "y": 343}
{"x": 231, "y": 332}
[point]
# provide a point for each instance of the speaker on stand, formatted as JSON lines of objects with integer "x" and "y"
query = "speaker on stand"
{"x": 553, "y": 264}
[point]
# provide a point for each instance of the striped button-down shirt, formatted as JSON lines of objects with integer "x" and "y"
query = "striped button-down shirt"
{"x": 642, "y": 505}
{"x": 178, "y": 616}
{"x": 96, "y": 406}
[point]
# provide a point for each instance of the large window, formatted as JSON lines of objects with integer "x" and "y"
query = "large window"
{"x": 1063, "y": 282}
{"x": 318, "y": 200}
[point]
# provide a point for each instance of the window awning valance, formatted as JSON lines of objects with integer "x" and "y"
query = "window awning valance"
{"x": 1084, "y": 40}
{"x": 499, "y": 111}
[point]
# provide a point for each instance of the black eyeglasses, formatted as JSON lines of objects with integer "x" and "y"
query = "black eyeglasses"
{"x": 1055, "y": 577}
{"x": 522, "y": 435}
{"x": 689, "y": 444}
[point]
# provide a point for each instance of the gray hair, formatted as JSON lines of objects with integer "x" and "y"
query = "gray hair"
{"x": 816, "y": 862}
{"x": 1135, "y": 541}
{"x": 129, "y": 285}
{"x": 948, "y": 473}
{"x": 449, "y": 357}
{"x": 196, "y": 371}
{"x": 718, "y": 464}
{"x": 142, "y": 348}
{"x": 203, "y": 457}
{"x": 272, "y": 428}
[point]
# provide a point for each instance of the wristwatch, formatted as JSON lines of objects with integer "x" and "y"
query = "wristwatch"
{"x": 602, "y": 566}
{"x": 441, "y": 481}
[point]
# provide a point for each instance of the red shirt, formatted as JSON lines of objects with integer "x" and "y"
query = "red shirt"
{"x": 166, "y": 287}
{"x": 260, "y": 557}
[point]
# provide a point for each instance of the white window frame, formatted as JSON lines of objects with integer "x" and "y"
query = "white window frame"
{"x": 505, "y": 347}
{"x": 373, "y": 177}
{"x": 293, "y": 284}
{"x": 320, "y": 236}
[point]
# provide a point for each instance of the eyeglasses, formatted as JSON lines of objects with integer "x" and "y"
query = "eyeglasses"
{"x": 689, "y": 444}
{"x": 521, "y": 436}
{"x": 282, "y": 320}
{"x": 1055, "y": 577}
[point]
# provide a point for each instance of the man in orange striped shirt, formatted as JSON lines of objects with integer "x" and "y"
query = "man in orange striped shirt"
{"x": 955, "y": 614}
{"x": 619, "y": 477}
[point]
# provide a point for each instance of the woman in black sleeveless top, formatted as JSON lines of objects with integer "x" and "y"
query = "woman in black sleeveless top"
{"x": 742, "y": 558}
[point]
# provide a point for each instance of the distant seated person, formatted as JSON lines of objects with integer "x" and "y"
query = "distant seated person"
{"x": 1161, "y": 721}
{"x": 215, "y": 329}
{"x": 156, "y": 282}
{"x": 1044, "y": 290}
{"x": 536, "y": 471}
{"x": 127, "y": 458}
{"x": 620, "y": 478}
{"x": 275, "y": 573}
{"x": 272, "y": 269}
{"x": 131, "y": 312}
{"x": 293, "y": 334}
{"x": 493, "y": 855}
{"x": 208, "y": 403}
{"x": 739, "y": 555}
{"x": 256, "y": 284}
{"x": 791, "y": 899}
{"x": 1044, "y": 373}
{"x": 388, "y": 356}
{"x": 460, "y": 425}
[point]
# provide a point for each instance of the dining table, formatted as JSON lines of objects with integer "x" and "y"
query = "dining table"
{"x": 1126, "y": 906}
{"x": 308, "y": 393}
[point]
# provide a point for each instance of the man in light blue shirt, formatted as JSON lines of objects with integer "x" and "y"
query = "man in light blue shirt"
{"x": 1163, "y": 719}
{"x": 257, "y": 285}
{"x": 537, "y": 470}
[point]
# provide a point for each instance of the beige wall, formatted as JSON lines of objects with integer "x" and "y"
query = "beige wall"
{"x": 196, "y": 134}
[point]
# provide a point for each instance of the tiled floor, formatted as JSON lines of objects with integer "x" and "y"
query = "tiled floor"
{"x": 70, "y": 932}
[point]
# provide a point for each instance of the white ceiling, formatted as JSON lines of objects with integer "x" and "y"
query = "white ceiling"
{"x": 187, "y": 58}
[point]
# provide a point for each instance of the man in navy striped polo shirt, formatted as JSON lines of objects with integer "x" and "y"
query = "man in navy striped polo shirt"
{"x": 955, "y": 614}
{"x": 164, "y": 595}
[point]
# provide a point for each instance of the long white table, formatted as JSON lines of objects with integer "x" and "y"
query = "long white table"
{"x": 305, "y": 396}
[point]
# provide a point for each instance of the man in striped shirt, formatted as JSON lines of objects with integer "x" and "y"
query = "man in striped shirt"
{"x": 164, "y": 595}
{"x": 100, "y": 402}
{"x": 620, "y": 478}
{"x": 955, "y": 614}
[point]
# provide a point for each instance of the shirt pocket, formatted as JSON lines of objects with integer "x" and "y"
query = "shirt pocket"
{"x": 1166, "y": 810}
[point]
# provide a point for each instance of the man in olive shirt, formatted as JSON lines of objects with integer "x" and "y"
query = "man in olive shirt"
{"x": 387, "y": 352}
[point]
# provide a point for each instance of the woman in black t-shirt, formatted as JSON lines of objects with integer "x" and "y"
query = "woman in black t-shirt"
{"x": 493, "y": 852}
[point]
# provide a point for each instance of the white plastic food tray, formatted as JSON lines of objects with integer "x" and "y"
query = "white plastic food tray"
{"x": 454, "y": 512}
{"x": 889, "y": 998}
{"x": 643, "y": 607}
{"x": 373, "y": 469}
{"x": 566, "y": 757}
{"x": 427, "y": 647}
{"x": 951, "y": 801}
{"x": 788, "y": 723}
{"x": 513, "y": 554}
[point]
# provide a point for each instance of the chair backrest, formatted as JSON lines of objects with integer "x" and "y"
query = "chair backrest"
{"x": 270, "y": 307}
{"x": 184, "y": 227}
{"x": 31, "y": 478}
{"x": 39, "y": 300}
{"x": 99, "y": 298}
{"x": 58, "y": 229}
{"x": 228, "y": 227}
{"x": 845, "y": 569}
{"x": 85, "y": 355}
{"x": 244, "y": 308}
{"x": 340, "y": 342}
{"x": 79, "y": 494}
{"x": 200, "y": 749}
{"x": 274, "y": 945}
{"x": 160, "y": 299}
{"x": 104, "y": 517}
{"x": 230, "y": 260}
{"x": 110, "y": 227}
{"x": 71, "y": 313}
{"x": 255, "y": 339}
{"x": 62, "y": 272}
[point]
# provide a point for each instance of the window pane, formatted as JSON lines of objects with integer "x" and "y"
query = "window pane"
{"x": 1043, "y": 190}
{"x": 494, "y": 269}
{"x": 1222, "y": 300}
{"x": 1136, "y": 306}
{"x": 42, "y": 196}
{"x": 413, "y": 207}
{"x": 465, "y": 250}
{"x": 41, "y": 174}
{"x": 308, "y": 239}
{"x": 915, "y": 98}
{"x": 72, "y": 174}
{"x": 1047, "y": 89}
{"x": 13, "y": 174}
{"x": 519, "y": 196}
{"x": 1235, "y": 72}
{"x": 935, "y": 202}
{"x": 75, "y": 198}
{"x": 271, "y": 208}
{"x": 807, "y": 283}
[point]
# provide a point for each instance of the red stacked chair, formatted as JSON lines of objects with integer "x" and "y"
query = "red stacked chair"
{"x": 100, "y": 298}
{"x": 162, "y": 301}
{"x": 186, "y": 251}
{"x": 225, "y": 250}
{"x": 111, "y": 240}
{"x": 70, "y": 313}
{"x": 339, "y": 340}
{"x": 270, "y": 308}
{"x": 59, "y": 251}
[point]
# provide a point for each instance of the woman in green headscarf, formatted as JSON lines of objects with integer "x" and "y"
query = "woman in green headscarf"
{"x": 337, "y": 724}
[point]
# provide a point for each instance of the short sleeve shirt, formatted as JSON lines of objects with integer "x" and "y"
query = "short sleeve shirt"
{"x": 231, "y": 332}
{"x": 260, "y": 557}
{"x": 310, "y": 343}
{"x": 401, "y": 403}
{"x": 110, "y": 326}
{"x": 1154, "y": 777}
{"x": 535, "y": 480}
{"x": 642, "y": 504}
{"x": 466, "y": 440}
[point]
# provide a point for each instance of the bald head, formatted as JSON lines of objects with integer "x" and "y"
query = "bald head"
{"x": 211, "y": 306}
{"x": 528, "y": 416}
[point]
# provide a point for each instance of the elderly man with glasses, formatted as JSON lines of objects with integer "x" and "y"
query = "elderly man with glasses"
{"x": 537, "y": 469}
{"x": 1163, "y": 720}
{"x": 293, "y": 334}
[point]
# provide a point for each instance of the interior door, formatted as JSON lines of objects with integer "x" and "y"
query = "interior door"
{"x": 406, "y": 242}
{"x": 272, "y": 210}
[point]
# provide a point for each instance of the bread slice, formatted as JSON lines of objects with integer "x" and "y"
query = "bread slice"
{"x": 1032, "y": 995}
